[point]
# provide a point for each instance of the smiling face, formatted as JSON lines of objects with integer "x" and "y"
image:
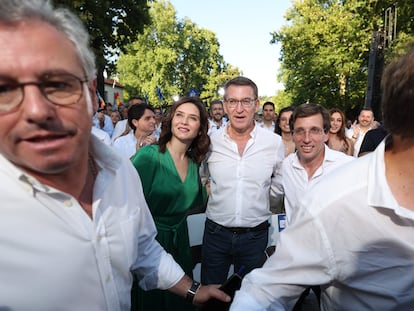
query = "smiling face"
{"x": 365, "y": 118}
{"x": 284, "y": 121}
{"x": 217, "y": 112}
{"x": 39, "y": 136}
{"x": 336, "y": 123}
{"x": 310, "y": 145}
{"x": 185, "y": 124}
{"x": 241, "y": 117}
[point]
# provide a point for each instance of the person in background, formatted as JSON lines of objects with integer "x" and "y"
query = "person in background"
{"x": 283, "y": 129}
{"x": 103, "y": 121}
{"x": 337, "y": 139}
{"x": 241, "y": 164}
{"x": 268, "y": 116}
{"x": 170, "y": 180}
{"x": 357, "y": 240}
{"x": 115, "y": 117}
{"x": 74, "y": 224}
{"x": 122, "y": 127}
{"x": 365, "y": 121}
{"x": 141, "y": 120}
{"x": 108, "y": 109}
{"x": 217, "y": 119}
{"x": 158, "y": 121}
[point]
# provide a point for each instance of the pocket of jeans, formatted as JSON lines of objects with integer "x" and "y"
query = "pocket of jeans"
{"x": 257, "y": 235}
{"x": 212, "y": 228}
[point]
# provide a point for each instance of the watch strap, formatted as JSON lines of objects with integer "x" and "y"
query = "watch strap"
{"x": 192, "y": 291}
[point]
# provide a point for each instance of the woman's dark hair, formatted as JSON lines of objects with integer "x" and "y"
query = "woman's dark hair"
{"x": 135, "y": 112}
{"x": 201, "y": 144}
{"x": 278, "y": 130}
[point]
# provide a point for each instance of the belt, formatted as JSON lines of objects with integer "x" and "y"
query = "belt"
{"x": 263, "y": 226}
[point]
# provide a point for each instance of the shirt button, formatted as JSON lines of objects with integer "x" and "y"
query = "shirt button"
{"x": 68, "y": 203}
{"x": 108, "y": 278}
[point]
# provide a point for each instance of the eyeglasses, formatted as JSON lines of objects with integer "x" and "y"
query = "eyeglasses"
{"x": 245, "y": 102}
{"x": 314, "y": 131}
{"x": 60, "y": 89}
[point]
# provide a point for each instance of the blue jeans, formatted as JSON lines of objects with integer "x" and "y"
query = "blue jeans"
{"x": 221, "y": 248}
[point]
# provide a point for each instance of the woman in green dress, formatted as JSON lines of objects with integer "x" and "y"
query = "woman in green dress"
{"x": 171, "y": 184}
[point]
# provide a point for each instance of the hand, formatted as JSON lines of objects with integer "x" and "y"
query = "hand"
{"x": 355, "y": 128}
{"x": 207, "y": 292}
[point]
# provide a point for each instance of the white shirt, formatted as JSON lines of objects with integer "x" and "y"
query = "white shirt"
{"x": 119, "y": 129}
{"x": 126, "y": 145}
{"x": 292, "y": 179}
{"x": 269, "y": 128}
{"x": 54, "y": 257}
{"x": 213, "y": 127}
{"x": 102, "y": 135}
{"x": 353, "y": 238}
{"x": 359, "y": 139}
{"x": 240, "y": 185}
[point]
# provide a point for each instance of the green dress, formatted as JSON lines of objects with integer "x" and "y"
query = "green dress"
{"x": 169, "y": 199}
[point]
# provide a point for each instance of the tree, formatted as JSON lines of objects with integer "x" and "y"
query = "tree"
{"x": 111, "y": 25}
{"x": 325, "y": 49}
{"x": 173, "y": 56}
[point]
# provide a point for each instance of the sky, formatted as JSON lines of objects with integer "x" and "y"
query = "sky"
{"x": 243, "y": 30}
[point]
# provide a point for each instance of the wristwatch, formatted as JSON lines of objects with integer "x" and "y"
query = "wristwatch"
{"x": 192, "y": 291}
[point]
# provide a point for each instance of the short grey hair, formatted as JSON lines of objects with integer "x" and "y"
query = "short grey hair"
{"x": 13, "y": 11}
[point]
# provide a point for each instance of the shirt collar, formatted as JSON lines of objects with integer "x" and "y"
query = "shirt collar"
{"x": 379, "y": 192}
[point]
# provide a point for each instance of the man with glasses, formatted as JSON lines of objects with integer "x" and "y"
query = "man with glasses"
{"x": 312, "y": 160}
{"x": 74, "y": 224}
{"x": 241, "y": 165}
{"x": 355, "y": 234}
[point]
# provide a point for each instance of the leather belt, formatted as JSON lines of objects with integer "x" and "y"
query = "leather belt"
{"x": 263, "y": 226}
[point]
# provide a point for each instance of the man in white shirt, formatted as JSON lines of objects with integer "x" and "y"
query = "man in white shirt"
{"x": 217, "y": 120}
{"x": 242, "y": 162}
{"x": 356, "y": 239}
{"x": 74, "y": 224}
{"x": 268, "y": 116}
{"x": 122, "y": 127}
{"x": 357, "y": 134}
{"x": 312, "y": 160}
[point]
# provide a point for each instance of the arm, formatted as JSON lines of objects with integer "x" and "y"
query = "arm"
{"x": 303, "y": 258}
{"x": 202, "y": 294}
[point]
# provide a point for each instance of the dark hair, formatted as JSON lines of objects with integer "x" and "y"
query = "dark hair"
{"x": 341, "y": 132}
{"x": 135, "y": 112}
{"x": 278, "y": 130}
{"x": 216, "y": 102}
{"x": 269, "y": 104}
{"x": 137, "y": 97}
{"x": 398, "y": 96}
{"x": 201, "y": 144}
{"x": 310, "y": 109}
{"x": 241, "y": 81}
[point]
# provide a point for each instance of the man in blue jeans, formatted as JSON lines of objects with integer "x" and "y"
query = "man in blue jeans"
{"x": 241, "y": 165}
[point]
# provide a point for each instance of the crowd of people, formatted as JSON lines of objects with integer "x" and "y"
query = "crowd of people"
{"x": 95, "y": 201}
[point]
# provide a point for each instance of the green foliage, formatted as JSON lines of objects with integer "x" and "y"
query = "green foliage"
{"x": 111, "y": 24}
{"x": 325, "y": 49}
{"x": 174, "y": 55}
